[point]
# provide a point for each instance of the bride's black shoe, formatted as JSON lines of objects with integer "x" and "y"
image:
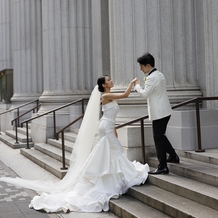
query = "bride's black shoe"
{"x": 160, "y": 171}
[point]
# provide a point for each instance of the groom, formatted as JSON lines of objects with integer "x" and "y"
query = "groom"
{"x": 159, "y": 111}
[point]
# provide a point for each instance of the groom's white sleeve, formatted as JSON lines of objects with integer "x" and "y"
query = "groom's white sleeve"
{"x": 140, "y": 90}
{"x": 143, "y": 92}
{"x": 137, "y": 87}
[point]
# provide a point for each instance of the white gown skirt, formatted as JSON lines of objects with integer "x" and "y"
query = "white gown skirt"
{"x": 106, "y": 174}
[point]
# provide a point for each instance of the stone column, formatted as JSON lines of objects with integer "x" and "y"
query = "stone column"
{"x": 207, "y": 47}
{"x": 28, "y": 83}
{"x": 67, "y": 50}
{"x": 21, "y": 51}
{"x": 6, "y": 34}
{"x": 166, "y": 29}
{"x": 183, "y": 123}
{"x": 72, "y": 57}
{"x": 6, "y": 53}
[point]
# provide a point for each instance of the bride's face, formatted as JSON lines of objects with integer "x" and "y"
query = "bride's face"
{"x": 108, "y": 82}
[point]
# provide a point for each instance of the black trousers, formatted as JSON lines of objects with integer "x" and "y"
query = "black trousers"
{"x": 162, "y": 144}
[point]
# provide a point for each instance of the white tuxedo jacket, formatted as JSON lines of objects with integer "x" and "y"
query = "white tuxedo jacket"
{"x": 156, "y": 95}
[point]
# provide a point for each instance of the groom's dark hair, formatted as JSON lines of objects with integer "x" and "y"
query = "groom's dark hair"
{"x": 145, "y": 59}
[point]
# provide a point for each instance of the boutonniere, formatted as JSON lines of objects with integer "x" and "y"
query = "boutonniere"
{"x": 145, "y": 79}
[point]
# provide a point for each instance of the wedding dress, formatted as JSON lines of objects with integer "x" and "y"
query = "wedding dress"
{"x": 96, "y": 174}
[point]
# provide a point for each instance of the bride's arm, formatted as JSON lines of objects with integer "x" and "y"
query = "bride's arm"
{"x": 115, "y": 96}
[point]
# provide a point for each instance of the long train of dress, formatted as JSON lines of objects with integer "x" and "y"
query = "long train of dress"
{"x": 106, "y": 174}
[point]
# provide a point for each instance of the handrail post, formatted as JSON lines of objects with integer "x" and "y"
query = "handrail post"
{"x": 0, "y": 125}
{"x": 63, "y": 152}
{"x": 83, "y": 110}
{"x": 18, "y": 114}
{"x": 143, "y": 140}
{"x": 198, "y": 126}
{"x": 16, "y": 132}
{"x": 57, "y": 136}
{"x": 27, "y": 136}
{"x": 54, "y": 121}
{"x": 37, "y": 103}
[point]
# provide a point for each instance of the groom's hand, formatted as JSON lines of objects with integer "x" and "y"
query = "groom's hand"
{"x": 137, "y": 82}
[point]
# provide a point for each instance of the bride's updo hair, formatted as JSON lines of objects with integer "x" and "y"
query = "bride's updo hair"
{"x": 100, "y": 82}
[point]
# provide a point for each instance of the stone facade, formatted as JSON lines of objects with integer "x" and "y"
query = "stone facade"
{"x": 57, "y": 50}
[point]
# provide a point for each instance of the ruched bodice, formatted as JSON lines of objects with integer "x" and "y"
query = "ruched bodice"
{"x": 107, "y": 122}
{"x": 110, "y": 111}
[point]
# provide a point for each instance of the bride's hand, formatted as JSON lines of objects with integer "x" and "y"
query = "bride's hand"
{"x": 134, "y": 80}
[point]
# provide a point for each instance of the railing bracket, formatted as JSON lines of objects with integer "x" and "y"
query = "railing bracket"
{"x": 200, "y": 150}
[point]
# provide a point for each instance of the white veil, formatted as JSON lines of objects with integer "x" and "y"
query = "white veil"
{"x": 83, "y": 146}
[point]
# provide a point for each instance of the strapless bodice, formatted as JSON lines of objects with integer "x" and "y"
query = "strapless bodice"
{"x": 110, "y": 111}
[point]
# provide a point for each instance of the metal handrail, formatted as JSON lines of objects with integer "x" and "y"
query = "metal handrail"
{"x": 16, "y": 120}
{"x": 18, "y": 107}
{"x": 140, "y": 119}
{"x": 54, "y": 116}
{"x": 197, "y": 109}
{"x": 62, "y": 139}
{"x": 77, "y": 119}
{"x": 18, "y": 111}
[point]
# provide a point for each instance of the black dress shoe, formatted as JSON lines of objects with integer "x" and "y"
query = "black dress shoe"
{"x": 174, "y": 159}
{"x": 160, "y": 171}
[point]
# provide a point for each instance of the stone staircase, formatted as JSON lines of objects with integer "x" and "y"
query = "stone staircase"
{"x": 49, "y": 155}
{"x": 190, "y": 190}
{"x": 9, "y": 138}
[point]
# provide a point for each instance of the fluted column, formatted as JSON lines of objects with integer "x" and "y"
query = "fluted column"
{"x": 72, "y": 58}
{"x": 166, "y": 29}
{"x": 6, "y": 54}
{"x": 207, "y": 47}
{"x": 28, "y": 83}
{"x": 67, "y": 50}
{"x": 6, "y": 34}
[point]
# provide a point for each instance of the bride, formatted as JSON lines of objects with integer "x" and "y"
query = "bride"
{"x": 99, "y": 170}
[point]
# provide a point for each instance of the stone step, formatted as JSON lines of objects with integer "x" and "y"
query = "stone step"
{"x": 192, "y": 169}
{"x": 21, "y": 137}
{"x": 209, "y": 156}
{"x": 128, "y": 207}
{"x": 70, "y": 136}
{"x": 50, "y": 164}
{"x": 191, "y": 189}
{"x": 170, "y": 203}
{"x": 12, "y": 142}
{"x": 23, "y": 130}
{"x": 49, "y": 155}
{"x": 52, "y": 151}
{"x": 58, "y": 144}
{"x": 74, "y": 130}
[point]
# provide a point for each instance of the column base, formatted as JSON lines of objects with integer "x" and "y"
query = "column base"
{"x": 182, "y": 131}
{"x": 130, "y": 139}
